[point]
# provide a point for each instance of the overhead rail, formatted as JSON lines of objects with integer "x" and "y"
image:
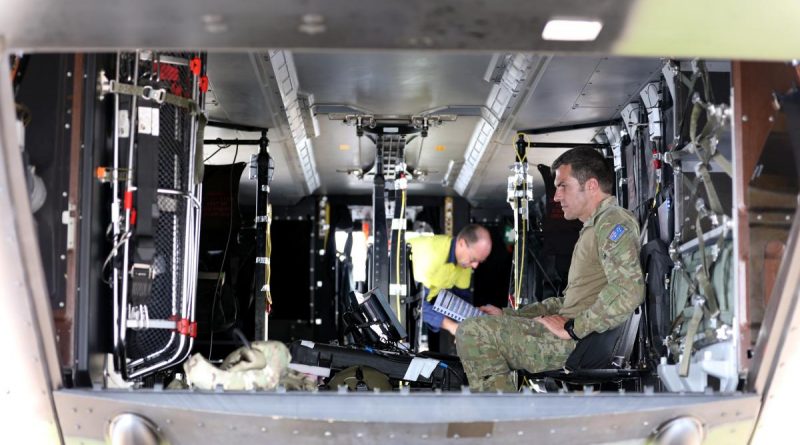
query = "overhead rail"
{"x": 570, "y": 127}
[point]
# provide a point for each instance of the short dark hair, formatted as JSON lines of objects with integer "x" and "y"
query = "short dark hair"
{"x": 587, "y": 163}
{"x": 472, "y": 233}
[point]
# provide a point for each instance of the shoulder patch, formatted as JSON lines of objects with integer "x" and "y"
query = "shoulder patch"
{"x": 619, "y": 229}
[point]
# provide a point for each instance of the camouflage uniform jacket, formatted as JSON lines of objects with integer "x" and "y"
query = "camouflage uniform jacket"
{"x": 605, "y": 282}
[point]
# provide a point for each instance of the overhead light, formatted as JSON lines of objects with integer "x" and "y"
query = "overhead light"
{"x": 344, "y": 147}
{"x": 572, "y": 30}
{"x": 440, "y": 148}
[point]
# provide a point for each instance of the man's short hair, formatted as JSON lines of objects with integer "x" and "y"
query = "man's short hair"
{"x": 472, "y": 233}
{"x": 587, "y": 163}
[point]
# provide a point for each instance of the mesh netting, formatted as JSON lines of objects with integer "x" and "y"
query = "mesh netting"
{"x": 166, "y": 299}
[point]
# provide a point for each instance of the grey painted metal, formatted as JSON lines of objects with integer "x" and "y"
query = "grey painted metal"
{"x": 238, "y": 91}
{"x": 213, "y": 417}
{"x": 409, "y": 83}
{"x": 283, "y": 67}
{"x": 215, "y": 24}
{"x": 585, "y": 89}
{"x": 131, "y": 429}
{"x": 243, "y": 90}
{"x": 31, "y": 369}
{"x": 394, "y": 82}
{"x": 518, "y": 82}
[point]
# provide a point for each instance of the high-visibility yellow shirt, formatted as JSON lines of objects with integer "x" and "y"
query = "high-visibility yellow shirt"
{"x": 434, "y": 264}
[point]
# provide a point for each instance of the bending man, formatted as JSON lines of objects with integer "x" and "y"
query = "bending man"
{"x": 604, "y": 286}
{"x": 441, "y": 262}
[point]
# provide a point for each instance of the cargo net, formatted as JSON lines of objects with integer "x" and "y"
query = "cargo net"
{"x": 146, "y": 346}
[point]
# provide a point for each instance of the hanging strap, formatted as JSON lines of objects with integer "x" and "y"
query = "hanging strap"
{"x": 688, "y": 341}
{"x": 146, "y": 205}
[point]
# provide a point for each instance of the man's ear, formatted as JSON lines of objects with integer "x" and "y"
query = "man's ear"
{"x": 592, "y": 184}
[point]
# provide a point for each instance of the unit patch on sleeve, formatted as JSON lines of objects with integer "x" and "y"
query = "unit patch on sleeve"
{"x": 619, "y": 229}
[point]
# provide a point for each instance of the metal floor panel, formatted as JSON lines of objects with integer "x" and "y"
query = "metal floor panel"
{"x": 212, "y": 417}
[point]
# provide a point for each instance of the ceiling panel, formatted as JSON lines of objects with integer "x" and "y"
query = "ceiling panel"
{"x": 572, "y": 90}
{"x": 235, "y": 80}
{"x": 584, "y": 89}
{"x": 395, "y": 82}
{"x": 442, "y": 144}
{"x": 410, "y": 24}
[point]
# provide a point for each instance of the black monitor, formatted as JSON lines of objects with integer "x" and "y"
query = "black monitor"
{"x": 375, "y": 322}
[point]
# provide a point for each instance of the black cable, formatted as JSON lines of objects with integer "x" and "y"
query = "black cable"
{"x": 541, "y": 268}
{"x": 224, "y": 255}
{"x": 220, "y": 148}
{"x": 240, "y": 335}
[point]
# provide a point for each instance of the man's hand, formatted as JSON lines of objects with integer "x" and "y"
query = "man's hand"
{"x": 449, "y": 325}
{"x": 491, "y": 310}
{"x": 554, "y": 324}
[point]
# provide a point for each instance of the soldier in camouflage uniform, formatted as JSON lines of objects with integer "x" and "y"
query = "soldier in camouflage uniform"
{"x": 604, "y": 287}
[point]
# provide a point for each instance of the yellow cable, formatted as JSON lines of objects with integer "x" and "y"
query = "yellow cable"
{"x": 399, "y": 236}
{"x": 658, "y": 189}
{"x": 521, "y": 266}
{"x": 522, "y": 263}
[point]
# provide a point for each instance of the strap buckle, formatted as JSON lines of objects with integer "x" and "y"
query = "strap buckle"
{"x": 149, "y": 93}
{"x": 142, "y": 271}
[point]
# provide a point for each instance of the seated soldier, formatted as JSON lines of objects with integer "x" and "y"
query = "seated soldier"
{"x": 604, "y": 286}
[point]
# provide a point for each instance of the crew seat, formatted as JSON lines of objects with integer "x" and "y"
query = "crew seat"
{"x": 600, "y": 358}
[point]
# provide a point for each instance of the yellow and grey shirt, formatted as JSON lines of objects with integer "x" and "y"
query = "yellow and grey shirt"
{"x": 605, "y": 282}
{"x": 434, "y": 264}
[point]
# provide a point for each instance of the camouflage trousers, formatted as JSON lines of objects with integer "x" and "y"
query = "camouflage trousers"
{"x": 492, "y": 348}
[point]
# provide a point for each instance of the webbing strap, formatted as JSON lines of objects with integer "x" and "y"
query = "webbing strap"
{"x": 199, "y": 165}
{"x": 147, "y": 211}
{"x": 158, "y": 95}
{"x": 688, "y": 341}
{"x": 713, "y": 198}
{"x": 703, "y": 272}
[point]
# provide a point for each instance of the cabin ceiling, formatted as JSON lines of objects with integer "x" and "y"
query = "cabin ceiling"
{"x": 722, "y": 29}
{"x": 410, "y": 57}
{"x": 571, "y": 89}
